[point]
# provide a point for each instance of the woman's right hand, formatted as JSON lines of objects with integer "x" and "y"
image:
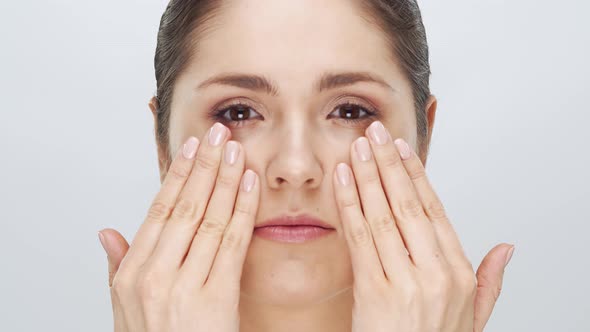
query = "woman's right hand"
{"x": 182, "y": 271}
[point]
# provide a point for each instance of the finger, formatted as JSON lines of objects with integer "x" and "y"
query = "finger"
{"x": 407, "y": 209}
{"x": 388, "y": 241}
{"x": 433, "y": 207}
{"x": 116, "y": 247}
{"x": 192, "y": 202}
{"x": 363, "y": 254}
{"x": 228, "y": 264}
{"x": 490, "y": 276}
{"x": 149, "y": 232}
{"x": 206, "y": 242}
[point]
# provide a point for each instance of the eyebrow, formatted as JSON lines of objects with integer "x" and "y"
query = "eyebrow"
{"x": 328, "y": 80}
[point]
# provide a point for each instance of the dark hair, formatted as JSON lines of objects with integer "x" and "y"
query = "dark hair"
{"x": 185, "y": 21}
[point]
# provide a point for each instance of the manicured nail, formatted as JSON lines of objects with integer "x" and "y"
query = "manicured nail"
{"x": 509, "y": 256}
{"x": 102, "y": 242}
{"x": 363, "y": 149}
{"x": 217, "y": 134}
{"x": 231, "y": 152}
{"x": 403, "y": 148}
{"x": 248, "y": 181}
{"x": 343, "y": 174}
{"x": 190, "y": 147}
{"x": 378, "y": 133}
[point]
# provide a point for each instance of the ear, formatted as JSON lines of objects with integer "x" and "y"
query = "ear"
{"x": 163, "y": 160}
{"x": 431, "y": 104}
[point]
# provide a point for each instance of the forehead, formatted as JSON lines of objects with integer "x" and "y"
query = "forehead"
{"x": 291, "y": 40}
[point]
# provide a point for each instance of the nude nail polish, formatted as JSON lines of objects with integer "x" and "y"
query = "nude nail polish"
{"x": 231, "y": 152}
{"x": 378, "y": 133}
{"x": 217, "y": 134}
{"x": 189, "y": 148}
{"x": 363, "y": 149}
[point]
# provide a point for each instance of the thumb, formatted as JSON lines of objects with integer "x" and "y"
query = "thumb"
{"x": 116, "y": 247}
{"x": 490, "y": 275}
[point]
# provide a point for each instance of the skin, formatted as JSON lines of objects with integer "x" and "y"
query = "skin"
{"x": 360, "y": 277}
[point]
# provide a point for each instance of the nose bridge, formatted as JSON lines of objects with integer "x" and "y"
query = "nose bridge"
{"x": 295, "y": 164}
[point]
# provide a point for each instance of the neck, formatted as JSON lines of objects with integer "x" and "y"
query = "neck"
{"x": 332, "y": 314}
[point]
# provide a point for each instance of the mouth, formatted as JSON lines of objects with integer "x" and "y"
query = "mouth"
{"x": 293, "y": 229}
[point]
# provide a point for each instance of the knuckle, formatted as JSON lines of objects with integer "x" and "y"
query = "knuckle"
{"x": 179, "y": 172}
{"x": 147, "y": 286}
{"x": 417, "y": 174}
{"x": 493, "y": 290}
{"x": 411, "y": 208}
{"x": 435, "y": 209}
{"x": 206, "y": 161}
{"x": 348, "y": 202}
{"x": 383, "y": 224}
{"x": 411, "y": 294}
{"x": 231, "y": 241}
{"x": 360, "y": 236}
{"x": 441, "y": 287}
{"x": 212, "y": 226}
{"x": 185, "y": 208}
{"x": 226, "y": 181}
{"x": 158, "y": 211}
{"x": 243, "y": 209}
{"x": 391, "y": 160}
{"x": 372, "y": 178}
{"x": 497, "y": 291}
{"x": 120, "y": 285}
{"x": 468, "y": 282}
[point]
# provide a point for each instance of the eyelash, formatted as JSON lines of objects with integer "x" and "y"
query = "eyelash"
{"x": 218, "y": 115}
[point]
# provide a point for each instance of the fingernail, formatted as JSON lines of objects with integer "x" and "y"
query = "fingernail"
{"x": 102, "y": 242}
{"x": 378, "y": 133}
{"x": 217, "y": 134}
{"x": 343, "y": 174}
{"x": 509, "y": 256}
{"x": 363, "y": 149}
{"x": 248, "y": 180}
{"x": 231, "y": 152}
{"x": 403, "y": 148}
{"x": 190, "y": 147}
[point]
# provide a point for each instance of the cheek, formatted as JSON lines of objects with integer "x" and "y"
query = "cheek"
{"x": 402, "y": 124}
{"x": 184, "y": 125}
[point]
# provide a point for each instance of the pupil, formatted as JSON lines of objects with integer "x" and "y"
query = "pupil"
{"x": 349, "y": 111}
{"x": 237, "y": 113}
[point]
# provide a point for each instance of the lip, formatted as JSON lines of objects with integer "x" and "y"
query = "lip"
{"x": 293, "y": 229}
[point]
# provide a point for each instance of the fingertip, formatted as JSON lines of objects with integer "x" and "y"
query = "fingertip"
{"x": 103, "y": 242}
{"x": 509, "y": 255}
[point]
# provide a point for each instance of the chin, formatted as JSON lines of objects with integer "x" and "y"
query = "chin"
{"x": 295, "y": 275}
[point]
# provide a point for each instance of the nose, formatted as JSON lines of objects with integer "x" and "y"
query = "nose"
{"x": 295, "y": 165}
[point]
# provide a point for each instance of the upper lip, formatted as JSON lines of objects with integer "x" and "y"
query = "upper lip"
{"x": 302, "y": 219}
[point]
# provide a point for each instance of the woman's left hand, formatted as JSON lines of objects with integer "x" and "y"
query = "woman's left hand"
{"x": 410, "y": 271}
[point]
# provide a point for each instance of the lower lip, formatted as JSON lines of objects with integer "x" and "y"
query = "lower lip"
{"x": 292, "y": 234}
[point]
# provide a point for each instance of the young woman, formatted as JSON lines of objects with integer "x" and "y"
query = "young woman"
{"x": 292, "y": 138}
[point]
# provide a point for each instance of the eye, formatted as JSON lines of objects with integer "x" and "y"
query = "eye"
{"x": 235, "y": 115}
{"x": 239, "y": 112}
{"x": 351, "y": 113}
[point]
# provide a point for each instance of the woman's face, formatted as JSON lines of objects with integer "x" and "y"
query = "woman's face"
{"x": 318, "y": 57}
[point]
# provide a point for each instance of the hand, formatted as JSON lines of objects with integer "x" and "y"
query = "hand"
{"x": 173, "y": 278}
{"x": 410, "y": 271}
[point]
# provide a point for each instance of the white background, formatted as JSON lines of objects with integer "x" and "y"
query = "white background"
{"x": 508, "y": 157}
